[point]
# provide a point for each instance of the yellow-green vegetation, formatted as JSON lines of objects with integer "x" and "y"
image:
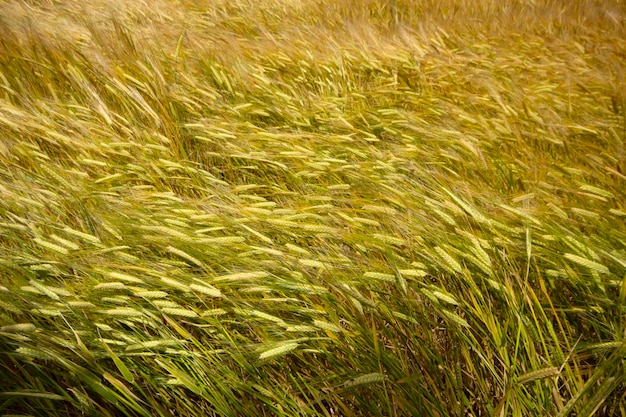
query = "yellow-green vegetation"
{"x": 312, "y": 208}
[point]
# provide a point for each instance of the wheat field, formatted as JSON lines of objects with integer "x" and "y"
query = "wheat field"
{"x": 312, "y": 208}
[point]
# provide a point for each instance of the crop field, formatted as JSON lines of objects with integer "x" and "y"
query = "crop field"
{"x": 313, "y": 208}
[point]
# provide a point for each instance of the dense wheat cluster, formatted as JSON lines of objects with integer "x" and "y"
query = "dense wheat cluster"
{"x": 312, "y": 208}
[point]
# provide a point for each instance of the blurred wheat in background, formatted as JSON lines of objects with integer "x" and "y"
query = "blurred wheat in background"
{"x": 312, "y": 208}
